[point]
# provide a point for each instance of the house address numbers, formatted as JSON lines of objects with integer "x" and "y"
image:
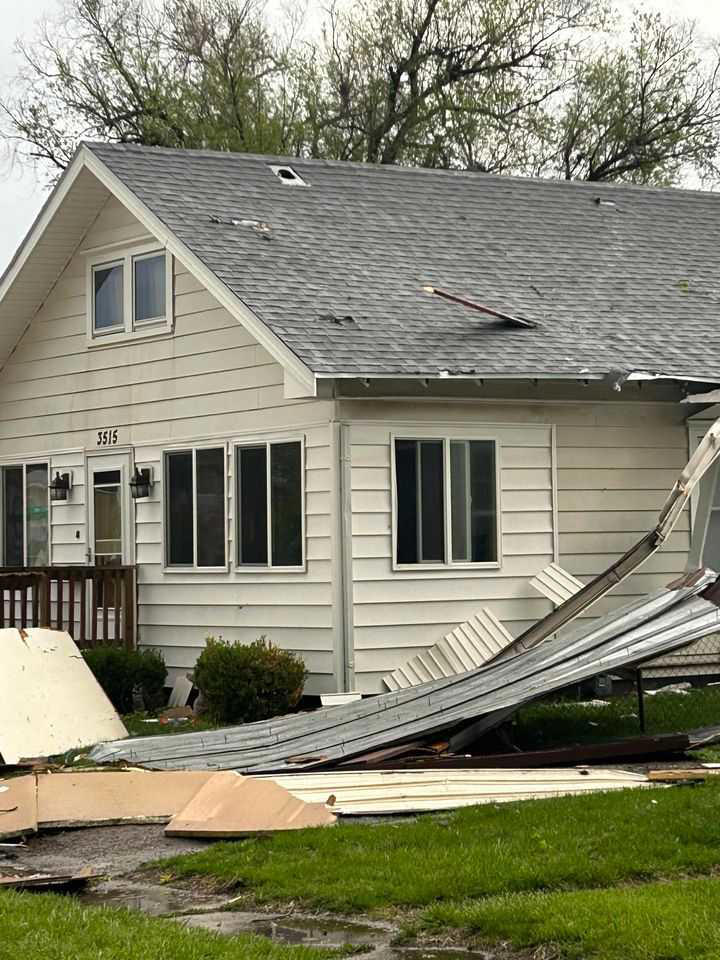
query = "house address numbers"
{"x": 107, "y": 438}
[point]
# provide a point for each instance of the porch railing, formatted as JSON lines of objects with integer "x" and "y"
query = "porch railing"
{"x": 96, "y": 605}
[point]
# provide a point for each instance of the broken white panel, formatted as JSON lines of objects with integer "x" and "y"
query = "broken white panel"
{"x": 473, "y": 643}
{"x": 556, "y": 584}
{"x": 338, "y": 699}
{"x": 50, "y": 702}
{"x": 363, "y": 792}
{"x": 181, "y": 690}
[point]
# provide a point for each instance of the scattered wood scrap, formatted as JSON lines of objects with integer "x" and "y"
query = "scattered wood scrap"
{"x": 675, "y": 775}
{"x": 59, "y": 882}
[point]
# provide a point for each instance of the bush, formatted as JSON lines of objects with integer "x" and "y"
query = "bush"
{"x": 120, "y": 671}
{"x": 241, "y": 683}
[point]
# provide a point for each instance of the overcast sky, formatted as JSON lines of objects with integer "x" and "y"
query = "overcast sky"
{"x": 20, "y": 193}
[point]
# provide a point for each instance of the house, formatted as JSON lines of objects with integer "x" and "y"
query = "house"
{"x": 346, "y": 406}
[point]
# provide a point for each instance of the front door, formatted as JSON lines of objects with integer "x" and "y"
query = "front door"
{"x": 109, "y": 506}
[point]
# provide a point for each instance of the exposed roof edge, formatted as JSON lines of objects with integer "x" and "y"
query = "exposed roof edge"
{"x": 273, "y": 344}
{"x": 581, "y": 375}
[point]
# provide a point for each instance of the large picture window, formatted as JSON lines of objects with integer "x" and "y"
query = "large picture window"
{"x": 446, "y": 501}
{"x": 270, "y": 526}
{"x": 195, "y": 502}
{"x": 25, "y": 528}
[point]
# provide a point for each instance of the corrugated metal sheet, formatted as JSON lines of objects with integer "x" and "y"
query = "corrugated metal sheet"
{"x": 371, "y": 792}
{"x": 556, "y": 584}
{"x": 465, "y": 648}
{"x": 639, "y": 631}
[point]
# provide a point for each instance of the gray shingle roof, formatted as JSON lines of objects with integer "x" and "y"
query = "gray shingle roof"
{"x": 618, "y": 278}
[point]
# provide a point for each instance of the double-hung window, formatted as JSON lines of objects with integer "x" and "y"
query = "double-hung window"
{"x": 270, "y": 495}
{"x": 25, "y": 527}
{"x": 195, "y": 508}
{"x": 130, "y": 294}
{"x": 446, "y": 501}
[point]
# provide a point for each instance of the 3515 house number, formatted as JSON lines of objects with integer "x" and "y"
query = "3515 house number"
{"x": 107, "y": 438}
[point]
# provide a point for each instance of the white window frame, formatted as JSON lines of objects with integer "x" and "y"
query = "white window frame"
{"x": 247, "y": 443}
{"x": 187, "y": 567}
{"x": 446, "y": 438}
{"x": 130, "y": 329}
{"x": 40, "y": 462}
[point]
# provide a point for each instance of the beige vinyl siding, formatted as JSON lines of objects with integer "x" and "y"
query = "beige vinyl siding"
{"x": 398, "y": 613}
{"x": 208, "y": 381}
{"x": 613, "y": 465}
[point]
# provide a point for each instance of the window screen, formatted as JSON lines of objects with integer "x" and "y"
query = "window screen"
{"x": 252, "y": 482}
{"x": 210, "y": 507}
{"x": 108, "y": 293}
{"x": 149, "y": 288}
{"x": 180, "y": 508}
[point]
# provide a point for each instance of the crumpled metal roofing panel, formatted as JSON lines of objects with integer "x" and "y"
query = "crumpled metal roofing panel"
{"x": 639, "y": 631}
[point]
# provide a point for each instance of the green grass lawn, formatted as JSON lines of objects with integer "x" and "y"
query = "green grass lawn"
{"x": 656, "y": 921}
{"x": 143, "y": 725}
{"x": 542, "y": 725}
{"x": 569, "y": 842}
{"x": 48, "y": 927}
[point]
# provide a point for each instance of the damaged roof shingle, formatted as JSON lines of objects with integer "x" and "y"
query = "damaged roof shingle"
{"x": 617, "y": 278}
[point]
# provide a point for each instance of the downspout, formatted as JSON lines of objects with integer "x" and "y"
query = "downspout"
{"x": 346, "y": 564}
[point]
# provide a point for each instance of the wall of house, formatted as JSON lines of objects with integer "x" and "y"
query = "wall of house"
{"x": 209, "y": 380}
{"x": 580, "y": 483}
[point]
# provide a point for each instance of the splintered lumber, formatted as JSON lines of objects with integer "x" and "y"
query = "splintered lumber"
{"x": 364, "y": 792}
{"x": 59, "y": 882}
{"x": 18, "y": 807}
{"x": 233, "y": 806}
{"x": 675, "y": 775}
{"x": 50, "y": 702}
{"x": 121, "y": 796}
{"x": 641, "y": 630}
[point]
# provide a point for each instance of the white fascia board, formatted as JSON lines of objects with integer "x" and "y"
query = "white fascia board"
{"x": 300, "y": 373}
{"x": 40, "y": 225}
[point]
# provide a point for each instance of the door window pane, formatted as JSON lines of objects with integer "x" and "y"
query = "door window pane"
{"x": 286, "y": 504}
{"x": 13, "y": 534}
{"x": 180, "y": 508}
{"x": 36, "y": 514}
{"x": 210, "y": 507}
{"x": 252, "y": 482}
{"x": 711, "y": 553}
{"x": 149, "y": 288}
{"x": 108, "y": 293}
{"x": 107, "y": 516}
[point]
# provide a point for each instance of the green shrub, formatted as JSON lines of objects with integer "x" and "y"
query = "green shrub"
{"x": 120, "y": 671}
{"x": 240, "y": 683}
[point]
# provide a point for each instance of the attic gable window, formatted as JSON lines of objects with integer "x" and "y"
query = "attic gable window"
{"x": 129, "y": 294}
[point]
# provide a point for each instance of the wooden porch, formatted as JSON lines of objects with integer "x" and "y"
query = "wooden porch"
{"x": 95, "y": 605}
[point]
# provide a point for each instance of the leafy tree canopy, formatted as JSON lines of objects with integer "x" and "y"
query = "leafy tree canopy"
{"x": 562, "y": 88}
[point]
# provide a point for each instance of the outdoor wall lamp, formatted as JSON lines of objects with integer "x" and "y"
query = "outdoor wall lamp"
{"x": 141, "y": 483}
{"x": 60, "y": 486}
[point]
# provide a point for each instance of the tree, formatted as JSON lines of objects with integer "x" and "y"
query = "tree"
{"x": 191, "y": 73}
{"x": 544, "y": 87}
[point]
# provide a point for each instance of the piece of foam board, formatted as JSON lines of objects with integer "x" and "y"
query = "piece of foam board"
{"x": 120, "y": 796}
{"x": 232, "y": 806}
{"x": 49, "y": 700}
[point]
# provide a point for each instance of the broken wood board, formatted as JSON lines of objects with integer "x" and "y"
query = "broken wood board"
{"x": 675, "y": 775}
{"x": 120, "y": 796}
{"x": 58, "y": 882}
{"x": 386, "y": 792}
{"x": 232, "y": 806}
{"x": 18, "y": 807}
{"x": 50, "y": 702}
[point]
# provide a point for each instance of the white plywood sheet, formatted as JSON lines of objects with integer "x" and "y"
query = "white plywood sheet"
{"x": 49, "y": 700}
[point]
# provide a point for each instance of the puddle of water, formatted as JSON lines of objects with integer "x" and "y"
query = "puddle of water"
{"x": 148, "y": 898}
{"x": 326, "y": 933}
